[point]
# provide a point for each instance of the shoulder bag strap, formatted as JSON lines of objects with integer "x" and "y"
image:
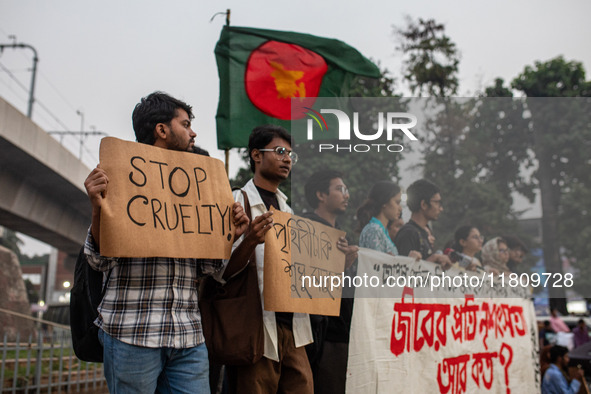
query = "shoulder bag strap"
{"x": 252, "y": 258}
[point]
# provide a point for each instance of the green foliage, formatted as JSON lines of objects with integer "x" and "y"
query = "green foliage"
{"x": 35, "y": 260}
{"x": 501, "y": 139}
{"x": 575, "y": 231}
{"x": 11, "y": 241}
{"x": 32, "y": 294}
{"x": 244, "y": 174}
{"x": 465, "y": 142}
{"x": 467, "y": 155}
{"x": 384, "y": 86}
{"x": 431, "y": 58}
{"x": 50, "y": 364}
{"x": 561, "y": 136}
{"x": 554, "y": 78}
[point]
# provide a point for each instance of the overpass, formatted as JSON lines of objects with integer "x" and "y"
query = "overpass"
{"x": 41, "y": 184}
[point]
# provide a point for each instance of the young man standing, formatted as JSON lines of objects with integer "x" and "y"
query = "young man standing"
{"x": 150, "y": 325}
{"x": 284, "y": 366}
{"x": 555, "y": 380}
{"x": 328, "y": 195}
{"x": 424, "y": 202}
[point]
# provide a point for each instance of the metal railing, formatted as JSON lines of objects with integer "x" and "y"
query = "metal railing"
{"x": 46, "y": 363}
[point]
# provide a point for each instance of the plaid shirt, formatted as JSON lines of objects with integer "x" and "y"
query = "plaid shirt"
{"x": 151, "y": 302}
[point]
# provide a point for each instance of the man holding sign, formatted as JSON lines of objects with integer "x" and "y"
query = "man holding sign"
{"x": 149, "y": 321}
{"x": 284, "y": 366}
{"x": 328, "y": 195}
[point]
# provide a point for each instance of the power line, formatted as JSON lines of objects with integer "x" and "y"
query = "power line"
{"x": 58, "y": 92}
{"x": 21, "y": 45}
{"x": 39, "y": 103}
{"x": 12, "y": 76}
{"x": 52, "y": 115}
{"x": 91, "y": 154}
{"x": 46, "y": 79}
{"x": 14, "y": 91}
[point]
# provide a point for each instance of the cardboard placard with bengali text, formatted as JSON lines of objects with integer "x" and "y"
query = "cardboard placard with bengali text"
{"x": 295, "y": 248}
{"x": 452, "y": 342}
{"x": 164, "y": 203}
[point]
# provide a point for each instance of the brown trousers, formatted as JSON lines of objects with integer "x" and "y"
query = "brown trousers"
{"x": 292, "y": 374}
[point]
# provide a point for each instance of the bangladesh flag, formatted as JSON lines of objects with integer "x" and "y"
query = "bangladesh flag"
{"x": 261, "y": 71}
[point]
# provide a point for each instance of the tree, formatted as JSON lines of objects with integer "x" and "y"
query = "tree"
{"x": 32, "y": 294}
{"x": 507, "y": 154}
{"x": 560, "y": 133}
{"x": 431, "y": 58}
{"x": 462, "y": 139}
{"x": 11, "y": 241}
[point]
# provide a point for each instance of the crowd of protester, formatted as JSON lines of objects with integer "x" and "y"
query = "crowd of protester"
{"x": 149, "y": 321}
{"x": 557, "y": 343}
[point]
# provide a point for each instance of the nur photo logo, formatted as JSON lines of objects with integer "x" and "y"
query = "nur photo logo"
{"x": 388, "y": 124}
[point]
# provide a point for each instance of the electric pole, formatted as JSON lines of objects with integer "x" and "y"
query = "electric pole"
{"x": 33, "y": 75}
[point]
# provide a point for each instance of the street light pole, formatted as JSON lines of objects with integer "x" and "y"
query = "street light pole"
{"x": 33, "y": 76}
{"x": 82, "y": 134}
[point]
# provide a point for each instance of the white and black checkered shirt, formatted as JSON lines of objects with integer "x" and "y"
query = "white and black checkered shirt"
{"x": 151, "y": 302}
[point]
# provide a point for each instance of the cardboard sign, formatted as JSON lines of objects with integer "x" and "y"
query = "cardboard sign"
{"x": 164, "y": 203}
{"x": 455, "y": 344}
{"x": 301, "y": 257}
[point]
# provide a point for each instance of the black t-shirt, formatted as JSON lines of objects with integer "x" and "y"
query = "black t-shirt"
{"x": 411, "y": 236}
{"x": 270, "y": 200}
{"x": 316, "y": 218}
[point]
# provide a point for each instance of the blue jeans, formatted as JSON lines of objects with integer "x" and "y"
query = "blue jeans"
{"x": 135, "y": 369}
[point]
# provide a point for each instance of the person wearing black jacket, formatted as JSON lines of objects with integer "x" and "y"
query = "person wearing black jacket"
{"x": 328, "y": 195}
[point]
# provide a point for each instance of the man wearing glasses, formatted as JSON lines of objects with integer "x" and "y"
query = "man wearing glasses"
{"x": 424, "y": 202}
{"x": 284, "y": 366}
{"x": 328, "y": 196}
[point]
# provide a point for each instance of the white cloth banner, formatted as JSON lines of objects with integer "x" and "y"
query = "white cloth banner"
{"x": 407, "y": 340}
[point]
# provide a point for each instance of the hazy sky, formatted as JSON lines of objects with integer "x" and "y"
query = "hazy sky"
{"x": 101, "y": 57}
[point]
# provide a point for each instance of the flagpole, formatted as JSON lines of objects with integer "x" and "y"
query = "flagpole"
{"x": 227, "y": 150}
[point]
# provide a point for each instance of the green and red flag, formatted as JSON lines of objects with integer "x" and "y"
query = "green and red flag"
{"x": 261, "y": 71}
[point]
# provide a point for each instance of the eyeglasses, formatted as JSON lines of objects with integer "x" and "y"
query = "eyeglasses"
{"x": 438, "y": 202}
{"x": 478, "y": 237}
{"x": 281, "y": 152}
{"x": 342, "y": 189}
{"x": 503, "y": 251}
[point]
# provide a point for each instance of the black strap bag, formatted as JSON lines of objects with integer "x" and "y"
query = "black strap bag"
{"x": 85, "y": 297}
{"x": 232, "y": 315}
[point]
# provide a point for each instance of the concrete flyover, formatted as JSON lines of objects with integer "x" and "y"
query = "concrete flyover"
{"x": 41, "y": 184}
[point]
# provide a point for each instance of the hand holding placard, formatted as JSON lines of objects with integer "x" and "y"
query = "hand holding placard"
{"x": 164, "y": 203}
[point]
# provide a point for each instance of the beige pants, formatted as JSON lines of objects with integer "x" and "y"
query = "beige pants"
{"x": 292, "y": 374}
